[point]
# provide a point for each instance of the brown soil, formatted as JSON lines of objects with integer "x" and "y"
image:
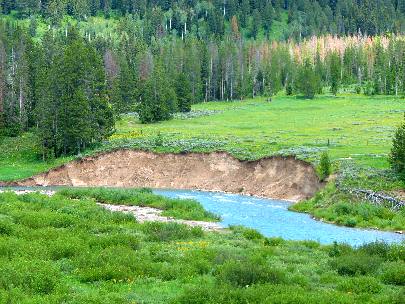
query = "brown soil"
{"x": 275, "y": 177}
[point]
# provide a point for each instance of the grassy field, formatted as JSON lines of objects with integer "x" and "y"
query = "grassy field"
{"x": 355, "y": 127}
{"x": 348, "y": 126}
{"x": 63, "y": 250}
{"x": 21, "y": 158}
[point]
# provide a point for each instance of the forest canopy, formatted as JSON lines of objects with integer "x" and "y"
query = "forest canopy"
{"x": 205, "y": 18}
{"x": 69, "y": 69}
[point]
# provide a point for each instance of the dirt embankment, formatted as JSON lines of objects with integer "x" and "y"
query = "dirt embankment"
{"x": 276, "y": 177}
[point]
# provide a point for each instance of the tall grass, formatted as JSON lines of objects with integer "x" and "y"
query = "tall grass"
{"x": 63, "y": 250}
{"x": 187, "y": 209}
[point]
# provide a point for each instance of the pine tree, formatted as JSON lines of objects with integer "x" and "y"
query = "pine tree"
{"x": 397, "y": 155}
{"x": 158, "y": 98}
{"x": 324, "y": 168}
{"x": 308, "y": 82}
{"x": 335, "y": 73}
{"x": 184, "y": 93}
{"x": 73, "y": 110}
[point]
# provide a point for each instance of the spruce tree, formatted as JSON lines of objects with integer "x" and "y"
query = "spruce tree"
{"x": 397, "y": 155}
{"x": 334, "y": 73}
{"x": 184, "y": 93}
{"x": 324, "y": 168}
{"x": 158, "y": 98}
{"x": 308, "y": 82}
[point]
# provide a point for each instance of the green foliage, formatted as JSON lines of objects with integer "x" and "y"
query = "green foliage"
{"x": 341, "y": 208}
{"x": 247, "y": 233}
{"x": 394, "y": 273}
{"x": 397, "y": 155}
{"x": 356, "y": 264}
{"x": 57, "y": 245}
{"x": 159, "y": 232}
{"x": 159, "y": 100}
{"x": 380, "y": 249}
{"x": 33, "y": 275}
{"x": 335, "y": 72}
{"x": 177, "y": 208}
{"x": 246, "y": 273}
{"x": 274, "y": 241}
{"x": 308, "y": 81}
{"x": 324, "y": 167}
{"x": 369, "y": 285}
{"x": 184, "y": 93}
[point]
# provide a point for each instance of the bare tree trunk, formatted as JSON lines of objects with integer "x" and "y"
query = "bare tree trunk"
{"x": 210, "y": 78}
{"x": 21, "y": 100}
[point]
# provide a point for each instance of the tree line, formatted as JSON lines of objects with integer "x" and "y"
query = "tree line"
{"x": 304, "y": 18}
{"x": 57, "y": 88}
{"x": 69, "y": 88}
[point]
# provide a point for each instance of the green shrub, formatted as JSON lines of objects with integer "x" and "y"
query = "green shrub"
{"x": 394, "y": 273}
{"x": 162, "y": 232}
{"x": 356, "y": 264}
{"x": 115, "y": 239}
{"x": 350, "y": 222}
{"x": 113, "y": 263}
{"x": 6, "y": 226}
{"x": 31, "y": 275}
{"x": 368, "y": 285}
{"x": 310, "y": 244}
{"x": 343, "y": 209}
{"x": 396, "y": 252}
{"x": 247, "y": 233}
{"x": 324, "y": 167}
{"x": 66, "y": 248}
{"x": 246, "y": 273}
{"x": 252, "y": 234}
{"x": 397, "y": 155}
{"x": 338, "y": 249}
{"x": 274, "y": 241}
{"x": 380, "y": 249}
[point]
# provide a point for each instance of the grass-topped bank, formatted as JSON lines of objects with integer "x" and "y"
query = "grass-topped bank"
{"x": 341, "y": 208}
{"x": 58, "y": 249}
{"x": 348, "y": 126}
{"x": 186, "y": 209}
{"x": 355, "y": 198}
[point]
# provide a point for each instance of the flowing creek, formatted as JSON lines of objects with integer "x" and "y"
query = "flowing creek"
{"x": 273, "y": 219}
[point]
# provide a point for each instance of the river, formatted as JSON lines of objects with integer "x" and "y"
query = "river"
{"x": 273, "y": 219}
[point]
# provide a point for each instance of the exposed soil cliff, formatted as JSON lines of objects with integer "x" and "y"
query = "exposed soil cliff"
{"x": 275, "y": 177}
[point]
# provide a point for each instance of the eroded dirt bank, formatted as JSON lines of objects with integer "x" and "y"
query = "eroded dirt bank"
{"x": 276, "y": 177}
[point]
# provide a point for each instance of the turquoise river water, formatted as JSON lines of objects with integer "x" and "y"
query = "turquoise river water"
{"x": 273, "y": 219}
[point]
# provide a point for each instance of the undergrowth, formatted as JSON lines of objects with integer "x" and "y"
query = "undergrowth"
{"x": 186, "y": 209}
{"x": 333, "y": 205}
{"x": 64, "y": 250}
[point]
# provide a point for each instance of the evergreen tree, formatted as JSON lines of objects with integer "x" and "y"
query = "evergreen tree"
{"x": 335, "y": 72}
{"x": 397, "y": 155}
{"x": 184, "y": 93}
{"x": 308, "y": 82}
{"x": 324, "y": 167}
{"x": 72, "y": 111}
{"x": 158, "y": 98}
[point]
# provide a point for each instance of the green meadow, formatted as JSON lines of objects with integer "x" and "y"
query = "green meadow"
{"x": 67, "y": 249}
{"x": 348, "y": 127}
